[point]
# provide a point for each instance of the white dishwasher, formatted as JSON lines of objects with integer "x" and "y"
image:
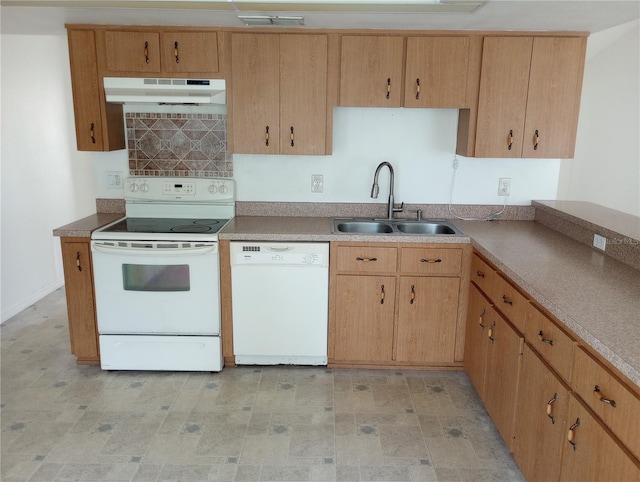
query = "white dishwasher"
{"x": 280, "y": 302}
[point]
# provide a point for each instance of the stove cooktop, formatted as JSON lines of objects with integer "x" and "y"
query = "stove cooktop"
{"x": 166, "y": 225}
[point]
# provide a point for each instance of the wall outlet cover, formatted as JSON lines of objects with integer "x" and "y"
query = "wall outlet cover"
{"x": 599, "y": 242}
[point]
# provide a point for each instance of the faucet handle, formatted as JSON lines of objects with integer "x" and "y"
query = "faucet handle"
{"x": 400, "y": 209}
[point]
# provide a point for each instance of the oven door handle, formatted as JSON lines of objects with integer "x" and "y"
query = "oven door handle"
{"x": 142, "y": 251}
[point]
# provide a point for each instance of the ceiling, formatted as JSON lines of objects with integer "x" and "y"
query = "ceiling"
{"x": 35, "y": 17}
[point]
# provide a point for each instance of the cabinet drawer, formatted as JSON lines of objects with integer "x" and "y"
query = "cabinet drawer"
{"x": 510, "y": 302}
{"x": 431, "y": 260}
{"x": 616, "y": 405}
{"x": 555, "y": 346}
{"x": 367, "y": 259}
{"x": 482, "y": 274}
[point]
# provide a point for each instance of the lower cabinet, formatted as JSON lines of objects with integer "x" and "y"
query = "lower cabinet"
{"x": 78, "y": 277}
{"x": 541, "y": 420}
{"x": 395, "y": 305}
{"x": 476, "y": 346}
{"x": 590, "y": 453}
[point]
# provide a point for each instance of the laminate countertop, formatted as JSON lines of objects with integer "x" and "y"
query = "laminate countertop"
{"x": 594, "y": 295}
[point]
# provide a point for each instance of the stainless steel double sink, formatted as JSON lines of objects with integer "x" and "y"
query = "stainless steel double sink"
{"x": 395, "y": 226}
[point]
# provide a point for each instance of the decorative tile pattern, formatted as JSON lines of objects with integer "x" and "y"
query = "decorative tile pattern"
{"x": 62, "y": 422}
{"x": 171, "y": 144}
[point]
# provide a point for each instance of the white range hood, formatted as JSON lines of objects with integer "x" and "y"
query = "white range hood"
{"x": 164, "y": 90}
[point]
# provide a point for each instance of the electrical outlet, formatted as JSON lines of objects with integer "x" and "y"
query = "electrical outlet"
{"x": 599, "y": 242}
{"x": 504, "y": 186}
{"x": 317, "y": 182}
{"x": 113, "y": 179}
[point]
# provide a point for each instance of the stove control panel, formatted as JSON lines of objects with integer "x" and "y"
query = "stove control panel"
{"x": 179, "y": 189}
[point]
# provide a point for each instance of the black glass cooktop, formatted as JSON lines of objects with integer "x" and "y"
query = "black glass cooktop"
{"x": 167, "y": 225}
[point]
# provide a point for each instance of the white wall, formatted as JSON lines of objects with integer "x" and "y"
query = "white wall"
{"x": 46, "y": 183}
{"x": 606, "y": 167}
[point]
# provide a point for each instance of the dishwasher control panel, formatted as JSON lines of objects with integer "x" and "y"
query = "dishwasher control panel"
{"x": 300, "y": 254}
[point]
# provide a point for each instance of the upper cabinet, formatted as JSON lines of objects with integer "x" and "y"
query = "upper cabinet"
{"x": 279, "y": 93}
{"x": 529, "y": 96}
{"x": 99, "y": 126}
{"x": 156, "y": 52}
{"x": 377, "y": 71}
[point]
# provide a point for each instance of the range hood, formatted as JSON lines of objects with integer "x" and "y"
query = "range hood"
{"x": 164, "y": 91}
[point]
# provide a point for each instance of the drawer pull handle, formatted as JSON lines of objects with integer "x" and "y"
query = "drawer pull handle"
{"x": 480, "y": 321}
{"x": 388, "y": 87}
{"x": 366, "y": 260}
{"x": 479, "y": 274}
{"x": 570, "y": 435}
{"x": 549, "y": 403}
{"x": 146, "y": 52}
{"x": 266, "y": 136}
{"x": 490, "y": 333}
{"x": 417, "y": 89}
{"x": 598, "y": 394}
{"x": 536, "y": 138}
{"x": 507, "y": 300}
{"x": 543, "y": 339}
{"x": 510, "y": 140}
{"x": 78, "y": 261}
{"x": 291, "y": 136}
{"x": 93, "y": 134}
{"x": 382, "y": 294}
{"x": 424, "y": 260}
{"x": 176, "y": 53}
{"x": 413, "y": 294}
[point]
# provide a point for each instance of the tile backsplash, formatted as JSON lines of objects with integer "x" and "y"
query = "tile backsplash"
{"x": 178, "y": 144}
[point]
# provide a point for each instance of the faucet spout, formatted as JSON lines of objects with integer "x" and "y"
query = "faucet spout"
{"x": 375, "y": 188}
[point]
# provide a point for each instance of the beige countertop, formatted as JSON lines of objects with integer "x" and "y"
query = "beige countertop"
{"x": 595, "y": 296}
{"x": 85, "y": 226}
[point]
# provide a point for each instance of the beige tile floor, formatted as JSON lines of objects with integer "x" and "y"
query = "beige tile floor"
{"x": 63, "y": 422}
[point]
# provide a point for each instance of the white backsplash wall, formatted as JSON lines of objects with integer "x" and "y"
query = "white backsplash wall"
{"x": 419, "y": 143}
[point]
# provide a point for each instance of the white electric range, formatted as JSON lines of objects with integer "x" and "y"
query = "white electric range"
{"x": 156, "y": 274}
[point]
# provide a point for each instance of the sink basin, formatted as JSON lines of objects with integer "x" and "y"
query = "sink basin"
{"x": 363, "y": 227}
{"x": 425, "y": 228}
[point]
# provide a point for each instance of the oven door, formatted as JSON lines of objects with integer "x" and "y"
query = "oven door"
{"x": 169, "y": 288}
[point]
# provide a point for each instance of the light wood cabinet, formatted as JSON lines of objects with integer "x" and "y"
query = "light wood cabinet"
{"x": 279, "y": 91}
{"x": 78, "y": 277}
{"x": 155, "y": 52}
{"x": 388, "y": 308}
{"x": 509, "y": 301}
{"x": 99, "y": 126}
{"x": 436, "y": 72}
{"x": 379, "y": 71}
{"x": 476, "y": 346}
{"x": 529, "y": 96}
{"x": 541, "y": 420}
{"x": 504, "y": 354}
{"x": 590, "y": 453}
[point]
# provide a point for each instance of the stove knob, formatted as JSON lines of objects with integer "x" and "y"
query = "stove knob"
{"x": 134, "y": 187}
{"x": 144, "y": 187}
{"x": 223, "y": 189}
{"x": 213, "y": 189}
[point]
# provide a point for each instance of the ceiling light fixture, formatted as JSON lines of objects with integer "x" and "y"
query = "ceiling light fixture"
{"x": 271, "y": 20}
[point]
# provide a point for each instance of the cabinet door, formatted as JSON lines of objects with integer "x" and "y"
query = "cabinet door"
{"x": 476, "y": 342}
{"x": 436, "y": 72}
{"x": 78, "y": 277}
{"x": 189, "y": 52}
{"x": 503, "y": 368}
{"x": 553, "y": 103}
{"x": 132, "y": 51}
{"x": 541, "y": 414}
{"x": 303, "y": 94}
{"x": 590, "y": 453}
{"x": 502, "y": 99}
{"x": 371, "y": 71}
{"x": 427, "y": 313}
{"x": 255, "y": 93}
{"x": 364, "y": 318}
{"x": 86, "y": 90}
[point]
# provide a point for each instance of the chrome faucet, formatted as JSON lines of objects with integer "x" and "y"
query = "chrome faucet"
{"x": 376, "y": 188}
